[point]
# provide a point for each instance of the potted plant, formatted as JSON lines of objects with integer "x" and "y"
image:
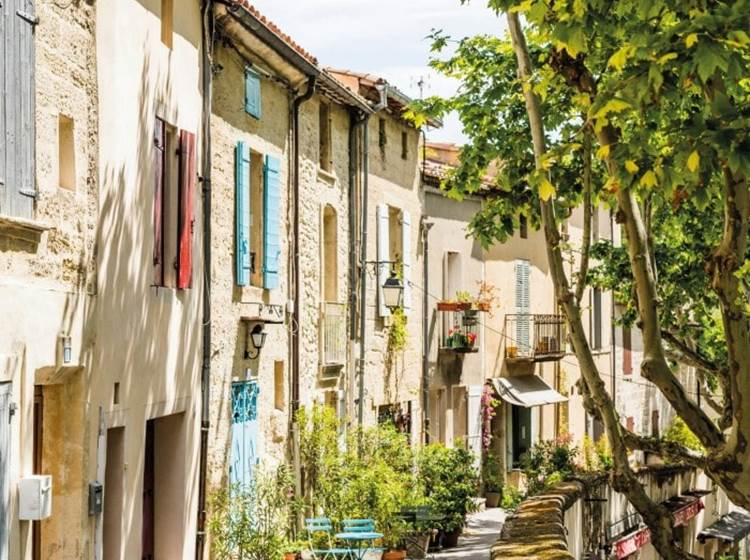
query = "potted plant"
{"x": 293, "y": 550}
{"x": 492, "y": 479}
{"x": 393, "y": 540}
{"x": 511, "y": 351}
{"x": 450, "y": 482}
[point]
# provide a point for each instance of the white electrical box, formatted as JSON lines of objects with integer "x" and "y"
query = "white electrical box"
{"x": 35, "y": 497}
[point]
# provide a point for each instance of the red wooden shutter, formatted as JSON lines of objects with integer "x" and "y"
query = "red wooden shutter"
{"x": 186, "y": 218}
{"x": 159, "y": 142}
{"x": 627, "y": 352}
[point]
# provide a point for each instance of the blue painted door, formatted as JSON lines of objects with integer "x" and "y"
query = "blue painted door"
{"x": 244, "y": 454}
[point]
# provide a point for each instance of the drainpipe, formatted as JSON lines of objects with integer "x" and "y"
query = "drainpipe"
{"x": 206, "y": 40}
{"x": 426, "y": 226}
{"x": 383, "y": 89}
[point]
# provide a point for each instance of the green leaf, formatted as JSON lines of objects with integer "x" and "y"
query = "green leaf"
{"x": 603, "y": 152}
{"x": 612, "y": 106}
{"x": 691, "y": 39}
{"x": 694, "y": 161}
{"x": 546, "y": 189}
{"x": 663, "y": 59}
{"x": 708, "y": 58}
{"x": 631, "y": 166}
{"x": 621, "y": 56}
{"x": 524, "y": 6}
{"x": 649, "y": 179}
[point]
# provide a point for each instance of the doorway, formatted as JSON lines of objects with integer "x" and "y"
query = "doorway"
{"x": 113, "y": 493}
{"x": 520, "y": 433}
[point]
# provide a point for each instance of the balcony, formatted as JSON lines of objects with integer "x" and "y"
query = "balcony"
{"x": 534, "y": 338}
{"x": 333, "y": 335}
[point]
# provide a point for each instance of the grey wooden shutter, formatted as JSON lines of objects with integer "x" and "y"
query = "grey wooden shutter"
{"x": 523, "y": 304}
{"x": 17, "y": 182}
{"x": 5, "y": 417}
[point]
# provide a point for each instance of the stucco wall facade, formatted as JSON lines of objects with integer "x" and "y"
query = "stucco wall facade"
{"x": 147, "y": 339}
{"x": 47, "y": 278}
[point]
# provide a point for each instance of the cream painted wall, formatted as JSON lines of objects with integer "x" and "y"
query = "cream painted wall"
{"x": 147, "y": 339}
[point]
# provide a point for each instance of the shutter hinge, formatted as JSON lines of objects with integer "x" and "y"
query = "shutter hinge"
{"x": 12, "y": 410}
{"x": 33, "y": 20}
{"x": 29, "y": 193}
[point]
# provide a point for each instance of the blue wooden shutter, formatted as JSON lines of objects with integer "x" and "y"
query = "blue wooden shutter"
{"x": 271, "y": 225}
{"x": 252, "y": 93}
{"x": 242, "y": 214}
{"x": 17, "y": 147}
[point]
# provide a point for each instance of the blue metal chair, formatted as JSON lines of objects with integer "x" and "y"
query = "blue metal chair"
{"x": 360, "y": 526}
{"x": 323, "y": 525}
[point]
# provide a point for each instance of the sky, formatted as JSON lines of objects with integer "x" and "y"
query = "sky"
{"x": 384, "y": 37}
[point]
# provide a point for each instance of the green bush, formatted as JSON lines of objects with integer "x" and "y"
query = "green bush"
{"x": 548, "y": 462}
{"x": 512, "y": 497}
{"x": 251, "y": 522}
{"x": 678, "y": 432}
{"x": 492, "y": 473}
{"x": 450, "y": 482}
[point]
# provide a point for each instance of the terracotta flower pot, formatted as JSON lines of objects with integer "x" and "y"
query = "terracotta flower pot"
{"x": 450, "y": 538}
{"x": 291, "y": 555}
{"x": 394, "y": 555}
{"x": 511, "y": 351}
{"x": 492, "y": 499}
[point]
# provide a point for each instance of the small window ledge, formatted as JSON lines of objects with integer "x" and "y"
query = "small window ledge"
{"x": 327, "y": 176}
{"x": 22, "y": 229}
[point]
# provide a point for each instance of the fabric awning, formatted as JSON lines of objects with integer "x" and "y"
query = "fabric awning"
{"x": 732, "y": 527}
{"x": 526, "y": 391}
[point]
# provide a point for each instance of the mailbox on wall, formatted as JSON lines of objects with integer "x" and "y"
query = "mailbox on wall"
{"x": 35, "y": 497}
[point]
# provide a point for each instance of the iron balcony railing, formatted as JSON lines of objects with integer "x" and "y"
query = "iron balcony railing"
{"x": 534, "y": 337}
{"x": 334, "y": 334}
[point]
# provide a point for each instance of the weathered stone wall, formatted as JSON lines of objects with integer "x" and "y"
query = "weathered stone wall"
{"x": 394, "y": 377}
{"x": 47, "y": 279}
{"x": 229, "y": 302}
{"x": 320, "y": 189}
{"x": 537, "y": 528}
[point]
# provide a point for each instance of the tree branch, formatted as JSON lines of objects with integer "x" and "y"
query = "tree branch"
{"x": 669, "y": 449}
{"x": 689, "y": 356}
{"x": 587, "y": 216}
{"x": 624, "y": 480}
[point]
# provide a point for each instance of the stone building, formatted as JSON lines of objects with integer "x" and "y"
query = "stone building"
{"x": 281, "y": 129}
{"x": 48, "y": 276}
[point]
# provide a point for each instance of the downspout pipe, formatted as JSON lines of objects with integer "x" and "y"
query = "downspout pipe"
{"x": 298, "y": 101}
{"x": 206, "y": 78}
{"x": 383, "y": 89}
{"x": 426, "y": 226}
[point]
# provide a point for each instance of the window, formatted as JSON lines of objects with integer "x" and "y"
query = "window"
{"x": 452, "y": 284}
{"x": 627, "y": 351}
{"x": 404, "y": 145}
{"x": 324, "y": 136}
{"x": 66, "y": 153}
{"x": 382, "y": 138}
{"x": 279, "y": 400}
{"x": 596, "y": 319}
{"x": 523, "y": 227}
{"x": 17, "y": 115}
{"x": 174, "y": 194}
{"x": 167, "y": 18}
{"x": 394, "y": 252}
{"x": 330, "y": 269}
{"x": 257, "y": 225}
{"x": 252, "y": 93}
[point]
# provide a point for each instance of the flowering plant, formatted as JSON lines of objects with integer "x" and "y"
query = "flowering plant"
{"x": 471, "y": 338}
{"x": 488, "y": 404}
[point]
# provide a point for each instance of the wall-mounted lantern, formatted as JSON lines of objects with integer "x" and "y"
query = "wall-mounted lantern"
{"x": 257, "y": 337}
{"x": 393, "y": 292}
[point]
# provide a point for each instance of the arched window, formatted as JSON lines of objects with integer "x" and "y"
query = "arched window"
{"x": 330, "y": 270}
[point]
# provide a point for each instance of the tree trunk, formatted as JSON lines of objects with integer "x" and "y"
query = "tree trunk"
{"x": 655, "y": 515}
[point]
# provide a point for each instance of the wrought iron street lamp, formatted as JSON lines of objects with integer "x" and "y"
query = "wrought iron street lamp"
{"x": 393, "y": 292}
{"x": 258, "y": 339}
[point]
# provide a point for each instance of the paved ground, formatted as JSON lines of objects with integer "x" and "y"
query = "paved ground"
{"x": 480, "y": 534}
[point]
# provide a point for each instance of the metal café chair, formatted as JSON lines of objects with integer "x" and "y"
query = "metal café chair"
{"x": 323, "y": 525}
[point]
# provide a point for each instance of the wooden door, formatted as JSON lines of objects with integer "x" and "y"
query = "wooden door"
{"x": 244, "y": 452}
{"x": 147, "y": 531}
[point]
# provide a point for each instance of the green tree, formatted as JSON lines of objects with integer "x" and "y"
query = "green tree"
{"x": 657, "y": 90}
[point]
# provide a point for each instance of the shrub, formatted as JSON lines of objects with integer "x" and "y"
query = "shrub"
{"x": 549, "y": 462}
{"x": 450, "y": 482}
{"x": 678, "y": 432}
{"x": 250, "y": 522}
{"x": 512, "y": 497}
{"x": 492, "y": 473}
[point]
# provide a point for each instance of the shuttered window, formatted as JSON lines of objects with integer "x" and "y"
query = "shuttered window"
{"x": 523, "y": 304}
{"x": 17, "y": 147}
{"x": 243, "y": 264}
{"x": 627, "y": 351}
{"x": 252, "y": 93}
{"x": 186, "y": 215}
{"x": 271, "y": 222}
{"x": 383, "y": 255}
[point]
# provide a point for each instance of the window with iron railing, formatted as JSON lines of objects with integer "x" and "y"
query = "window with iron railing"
{"x": 533, "y": 337}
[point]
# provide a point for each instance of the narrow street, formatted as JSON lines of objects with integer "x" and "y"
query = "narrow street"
{"x": 482, "y": 531}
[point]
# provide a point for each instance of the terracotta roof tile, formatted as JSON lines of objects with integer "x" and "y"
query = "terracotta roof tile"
{"x": 276, "y": 30}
